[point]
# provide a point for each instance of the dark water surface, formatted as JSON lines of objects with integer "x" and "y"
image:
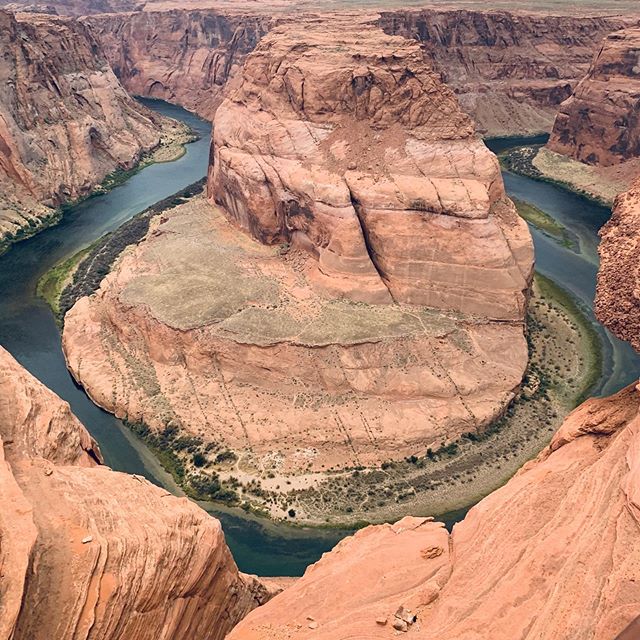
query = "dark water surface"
{"x": 28, "y": 330}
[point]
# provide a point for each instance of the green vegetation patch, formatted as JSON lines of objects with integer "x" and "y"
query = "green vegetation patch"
{"x": 544, "y": 222}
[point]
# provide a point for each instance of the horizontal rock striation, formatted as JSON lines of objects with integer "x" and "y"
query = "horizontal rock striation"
{"x": 185, "y": 57}
{"x": 600, "y": 123}
{"x": 554, "y": 554}
{"x": 345, "y": 143}
{"x": 510, "y": 71}
{"x": 89, "y": 553}
{"x": 618, "y": 290}
{"x": 65, "y": 120}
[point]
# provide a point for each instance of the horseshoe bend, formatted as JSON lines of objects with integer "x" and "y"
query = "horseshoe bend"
{"x": 362, "y": 320}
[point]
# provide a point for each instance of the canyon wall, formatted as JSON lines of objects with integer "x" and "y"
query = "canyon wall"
{"x": 88, "y": 553}
{"x": 510, "y": 71}
{"x": 600, "y": 123}
{"x": 185, "y": 57}
{"x": 65, "y": 120}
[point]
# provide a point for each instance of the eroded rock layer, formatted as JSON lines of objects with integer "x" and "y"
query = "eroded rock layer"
{"x": 618, "y": 291}
{"x": 185, "y": 57}
{"x": 341, "y": 141}
{"x": 88, "y": 553}
{"x": 554, "y": 554}
{"x": 510, "y": 71}
{"x": 65, "y": 120}
{"x": 600, "y": 123}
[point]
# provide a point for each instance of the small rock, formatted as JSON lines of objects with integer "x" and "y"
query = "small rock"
{"x": 400, "y": 625}
{"x": 405, "y": 615}
{"x": 87, "y": 539}
{"x": 431, "y": 552}
{"x": 48, "y": 472}
{"x": 313, "y": 625}
{"x": 352, "y": 166}
{"x": 311, "y": 618}
{"x": 381, "y": 621}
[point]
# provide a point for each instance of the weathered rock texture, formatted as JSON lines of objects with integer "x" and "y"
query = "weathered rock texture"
{"x": 618, "y": 291}
{"x": 600, "y": 123}
{"x": 65, "y": 120}
{"x": 185, "y": 57}
{"x": 554, "y": 554}
{"x": 509, "y": 70}
{"x": 88, "y": 553}
{"x": 343, "y": 142}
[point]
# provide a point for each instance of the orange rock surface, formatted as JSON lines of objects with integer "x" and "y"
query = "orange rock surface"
{"x": 88, "y": 553}
{"x": 600, "y": 123}
{"x": 341, "y": 141}
{"x": 554, "y": 554}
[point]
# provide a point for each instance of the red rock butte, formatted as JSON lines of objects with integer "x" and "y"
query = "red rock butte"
{"x": 381, "y": 311}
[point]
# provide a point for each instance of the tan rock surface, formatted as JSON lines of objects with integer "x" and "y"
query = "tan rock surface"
{"x": 618, "y": 291}
{"x": 340, "y": 140}
{"x": 554, "y": 554}
{"x": 65, "y": 120}
{"x": 88, "y": 553}
{"x": 600, "y": 123}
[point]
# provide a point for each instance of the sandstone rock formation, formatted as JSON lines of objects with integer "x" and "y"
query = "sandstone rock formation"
{"x": 554, "y": 554}
{"x": 88, "y": 553}
{"x": 380, "y": 314}
{"x": 618, "y": 291}
{"x": 510, "y": 71}
{"x": 600, "y": 123}
{"x": 65, "y": 120}
{"x": 343, "y": 142}
{"x": 185, "y": 57}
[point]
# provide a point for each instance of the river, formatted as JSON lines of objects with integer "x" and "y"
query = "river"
{"x": 29, "y": 332}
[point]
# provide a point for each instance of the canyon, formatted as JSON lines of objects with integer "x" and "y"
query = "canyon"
{"x": 510, "y": 71}
{"x": 65, "y": 121}
{"x": 88, "y": 552}
{"x": 321, "y": 311}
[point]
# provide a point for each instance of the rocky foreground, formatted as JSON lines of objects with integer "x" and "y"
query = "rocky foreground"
{"x": 355, "y": 292}
{"x": 65, "y": 120}
{"x": 88, "y": 553}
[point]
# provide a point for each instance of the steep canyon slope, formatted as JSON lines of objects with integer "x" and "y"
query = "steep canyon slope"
{"x": 65, "y": 120}
{"x": 600, "y": 123}
{"x": 355, "y": 290}
{"x": 91, "y": 554}
{"x": 554, "y": 554}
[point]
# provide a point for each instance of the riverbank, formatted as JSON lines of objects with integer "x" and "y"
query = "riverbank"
{"x": 171, "y": 147}
{"x": 599, "y": 184}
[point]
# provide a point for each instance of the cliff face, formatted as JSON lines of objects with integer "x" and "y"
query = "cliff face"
{"x": 185, "y": 57}
{"x": 618, "y": 291}
{"x": 65, "y": 120}
{"x": 510, "y": 71}
{"x": 346, "y": 144}
{"x": 89, "y": 553}
{"x": 600, "y": 123}
{"x": 554, "y": 554}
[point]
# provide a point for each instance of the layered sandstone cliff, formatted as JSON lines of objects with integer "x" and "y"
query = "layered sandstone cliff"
{"x": 618, "y": 291}
{"x": 370, "y": 305}
{"x": 89, "y": 553}
{"x": 510, "y": 71}
{"x": 185, "y": 57}
{"x": 65, "y": 120}
{"x": 600, "y": 123}
{"x": 554, "y": 554}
